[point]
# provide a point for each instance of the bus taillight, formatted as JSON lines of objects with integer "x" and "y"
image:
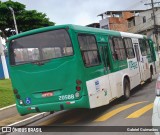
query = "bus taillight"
{"x": 78, "y": 88}
{"x": 18, "y": 96}
{"x": 15, "y": 91}
{"x": 78, "y": 82}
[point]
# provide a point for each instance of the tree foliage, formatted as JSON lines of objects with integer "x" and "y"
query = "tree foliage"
{"x": 26, "y": 19}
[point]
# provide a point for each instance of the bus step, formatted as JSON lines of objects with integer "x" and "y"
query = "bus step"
{"x": 142, "y": 82}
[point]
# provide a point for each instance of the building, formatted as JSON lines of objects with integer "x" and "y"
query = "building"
{"x": 143, "y": 23}
{"x": 133, "y": 21}
{"x": 116, "y": 20}
{"x": 94, "y": 25}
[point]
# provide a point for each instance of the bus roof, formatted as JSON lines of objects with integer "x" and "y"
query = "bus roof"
{"x": 79, "y": 29}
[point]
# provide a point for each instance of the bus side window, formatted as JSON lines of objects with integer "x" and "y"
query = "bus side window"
{"x": 119, "y": 48}
{"x": 148, "y": 47}
{"x": 89, "y": 50}
{"x": 115, "y": 57}
{"x": 142, "y": 47}
{"x": 129, "y": 48}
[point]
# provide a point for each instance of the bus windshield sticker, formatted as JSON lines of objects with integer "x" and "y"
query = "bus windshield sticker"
{"x": 28, "y": 100}
{"x": 97, "y": 85}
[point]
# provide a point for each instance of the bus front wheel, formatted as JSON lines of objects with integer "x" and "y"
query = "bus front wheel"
{"x": 126, "y": 88}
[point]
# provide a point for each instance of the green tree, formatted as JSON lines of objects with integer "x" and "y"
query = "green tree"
{"x": 26, "y": 19}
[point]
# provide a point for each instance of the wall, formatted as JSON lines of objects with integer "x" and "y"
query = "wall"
{"x": 104, "y": 23}
{"x": 116, "y": 23}
{"x": 141, "y": 26}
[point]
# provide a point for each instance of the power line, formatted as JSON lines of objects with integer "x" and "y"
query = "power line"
{"x": 136, "y": 4}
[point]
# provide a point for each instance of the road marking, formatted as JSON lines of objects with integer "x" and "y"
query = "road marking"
{"x": 9, "y": 120}
{"x": 141, "y": 111}
{"x": 116, "y": 111}
{"x": 33, "y": 117}
{"x": 14, "y": 119}
{"x": 7, "y": 107}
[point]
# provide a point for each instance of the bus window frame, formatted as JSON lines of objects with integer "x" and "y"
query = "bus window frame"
{"x": 129, "y": 48}
{"x": 98, "y": 56}
{"x": 144, "y": 46}
{"x": 46, "y": 60}
{"x": 119, "y": 48}
{"x": 115, "y": 58}
{"x": 148, "y": 46}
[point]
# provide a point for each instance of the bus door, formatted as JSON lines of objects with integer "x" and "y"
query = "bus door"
{"x": 140, "y": 62}
{"x": 106, "y": 67}
{"x": 105, "y": 58}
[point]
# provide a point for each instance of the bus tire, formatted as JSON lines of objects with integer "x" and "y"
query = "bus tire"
{"x": 126, "y": 89}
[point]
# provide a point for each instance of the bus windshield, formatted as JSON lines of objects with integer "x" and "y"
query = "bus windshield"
{"x": 40, "y": 47}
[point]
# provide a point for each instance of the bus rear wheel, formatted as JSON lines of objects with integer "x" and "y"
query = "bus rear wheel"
{"x": 126, "y": 88}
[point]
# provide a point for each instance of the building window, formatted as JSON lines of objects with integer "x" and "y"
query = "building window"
{"x": 119, "y": 48}
{"x": 89, "y": 50}
{"x": 144, "y": 19}
{"x": 131, "y": 23}
{"x": 129, "y": 48}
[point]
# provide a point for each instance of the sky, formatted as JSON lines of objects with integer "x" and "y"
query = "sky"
{"x": 80, "y": 12}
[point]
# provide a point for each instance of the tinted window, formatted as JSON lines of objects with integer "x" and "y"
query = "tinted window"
{"x": 119, "y": 48}
{"x": 148, "y": 47}
{"x": 41, "y": 46}
{"x": 142, "y": 45}
{"x": 89, "y": 50}
{"x": 114, "y": 55}
{"x": 129, "y": 48}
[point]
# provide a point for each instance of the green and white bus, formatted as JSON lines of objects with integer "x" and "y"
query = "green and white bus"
{"x": 68, "y": 66}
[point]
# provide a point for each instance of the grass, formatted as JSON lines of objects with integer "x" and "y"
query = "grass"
{"x": 6, "y": 93}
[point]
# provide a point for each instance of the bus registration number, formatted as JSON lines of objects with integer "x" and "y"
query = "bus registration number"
{"x": 66, "y": 97}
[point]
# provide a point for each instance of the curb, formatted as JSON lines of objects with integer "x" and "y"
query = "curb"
{"x": 29, "y": 120}
{"x": 4, "y": 108}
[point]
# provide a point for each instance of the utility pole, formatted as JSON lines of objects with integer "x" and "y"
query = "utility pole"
{"x": 14, "y": 19}
{"x": 155, "y": 31}
{"x": 3, "y": 59}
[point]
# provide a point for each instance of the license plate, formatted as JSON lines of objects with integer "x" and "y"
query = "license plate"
{"x": 47, "y": 94}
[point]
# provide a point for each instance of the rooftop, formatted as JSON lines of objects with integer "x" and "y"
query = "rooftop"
{"x": 120, "y": 11}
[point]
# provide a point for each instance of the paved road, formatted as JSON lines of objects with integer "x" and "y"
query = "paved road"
{"x": 137, "y": 111}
